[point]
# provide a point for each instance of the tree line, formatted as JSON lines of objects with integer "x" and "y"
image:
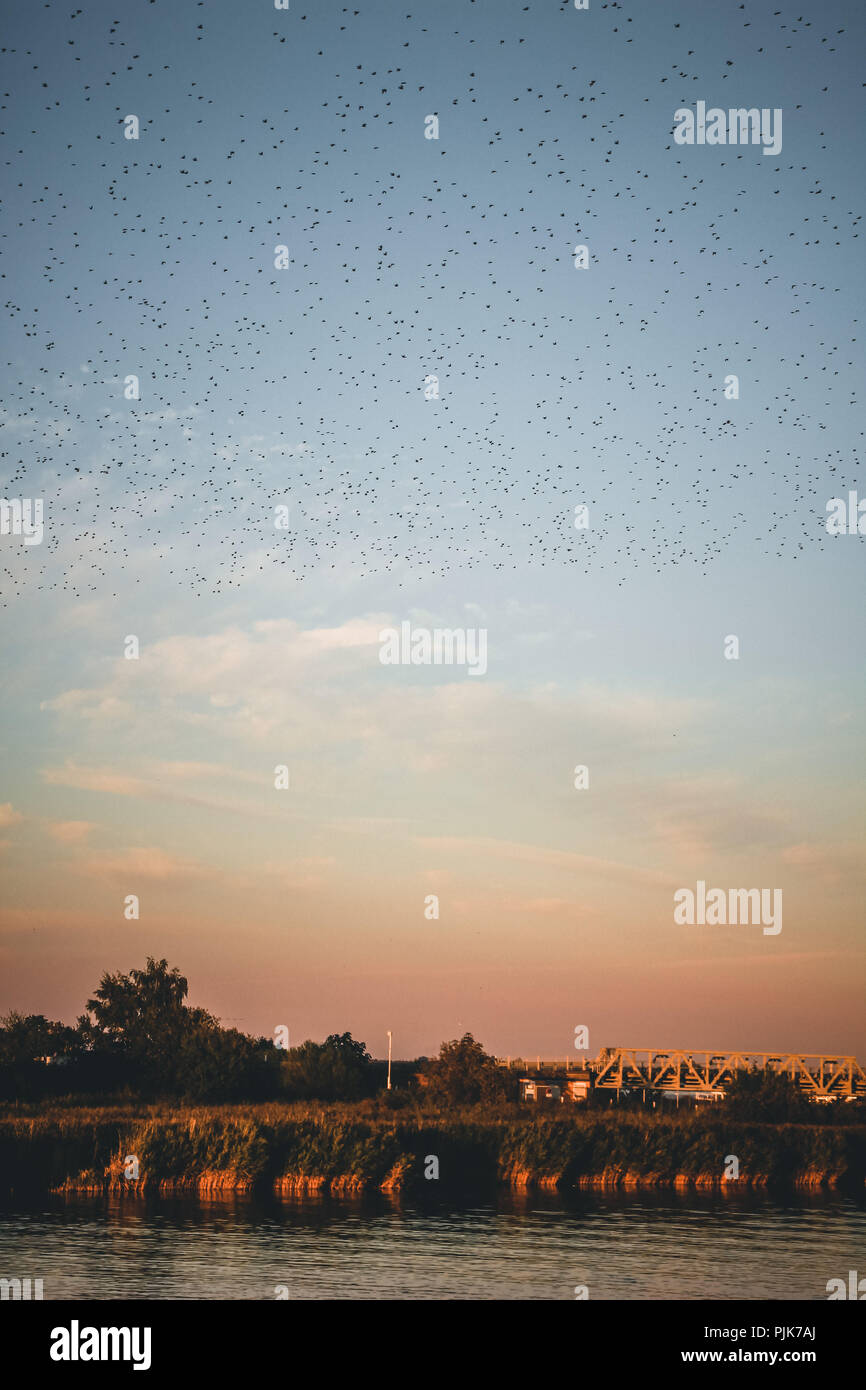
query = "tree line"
{"x": 138, "y": 1038}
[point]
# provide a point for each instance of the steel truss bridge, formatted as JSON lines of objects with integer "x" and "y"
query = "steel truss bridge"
{"x": 672, "y": 1069}
{"x": 828, "y": 1076}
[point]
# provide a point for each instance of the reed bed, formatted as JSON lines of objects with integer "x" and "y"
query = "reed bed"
{"x": 313, "y": 1147}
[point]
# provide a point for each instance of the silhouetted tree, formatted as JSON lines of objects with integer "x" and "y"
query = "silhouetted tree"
{"x": 464, "y": 1074}
{"x": 23, "y": 1038}
{"x": 337, "y": 1069}
{"x": 216, "y": 1064}
{"x": 142, "y": 1016}
{"x": 767, "y": 1095}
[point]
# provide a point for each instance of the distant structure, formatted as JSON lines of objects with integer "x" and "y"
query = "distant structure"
{"x": 572, "y": 1085}
{"x": 699, "y": 1076}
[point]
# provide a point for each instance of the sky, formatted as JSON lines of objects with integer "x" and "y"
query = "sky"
{"x": 302, "y": 378}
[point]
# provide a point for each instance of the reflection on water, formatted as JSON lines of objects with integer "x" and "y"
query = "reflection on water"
{"x": 514, "y": 1247}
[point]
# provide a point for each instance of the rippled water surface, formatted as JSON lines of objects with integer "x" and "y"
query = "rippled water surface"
{"x": 540, "y": 1246}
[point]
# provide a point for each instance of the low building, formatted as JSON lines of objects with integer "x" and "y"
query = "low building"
{"x": 686, "y": 1093}
{"x": 564, "y": 1086}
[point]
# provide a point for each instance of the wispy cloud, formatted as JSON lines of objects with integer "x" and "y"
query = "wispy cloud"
{"x": 70, "y": 832}
{"x": 540, "y": 855}
{"x": 150, "y": 863}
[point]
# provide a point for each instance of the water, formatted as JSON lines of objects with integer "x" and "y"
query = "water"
{"x": 539, "y": 1246}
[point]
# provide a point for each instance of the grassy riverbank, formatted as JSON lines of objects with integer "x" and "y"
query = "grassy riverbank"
{"x": 308, "y": 1147}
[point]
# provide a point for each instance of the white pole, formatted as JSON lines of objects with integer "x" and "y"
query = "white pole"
{"x": 389, "y": 1060}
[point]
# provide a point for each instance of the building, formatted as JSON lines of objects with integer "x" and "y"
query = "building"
{"x": 559, "y": 1086}
{"x": 684, "y": 1093}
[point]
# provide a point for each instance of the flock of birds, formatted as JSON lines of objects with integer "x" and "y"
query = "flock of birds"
{"x": 429, "y": 384}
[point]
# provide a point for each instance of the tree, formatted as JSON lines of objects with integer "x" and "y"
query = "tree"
{"x": 26, "y": 1041}
{"x": 766, "y": 1095}
{"x": 464, "y": 1074}
{"x": 142, "y": 1015}
{"x": 23, "y": 1038}
{"x": 337, "y": 1069}
{"x": 216, "y": 1064}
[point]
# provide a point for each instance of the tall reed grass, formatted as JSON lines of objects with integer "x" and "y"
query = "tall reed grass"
{"x": 367, "y": 1146}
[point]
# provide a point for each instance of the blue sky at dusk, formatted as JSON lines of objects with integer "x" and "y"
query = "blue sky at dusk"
{"x": 304, "y": 386}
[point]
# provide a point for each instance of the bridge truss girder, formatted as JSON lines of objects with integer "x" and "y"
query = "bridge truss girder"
{"x": 639, "y": 1068}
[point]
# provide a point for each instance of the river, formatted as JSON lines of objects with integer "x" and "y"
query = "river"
{"x": 523, "y": 1246}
